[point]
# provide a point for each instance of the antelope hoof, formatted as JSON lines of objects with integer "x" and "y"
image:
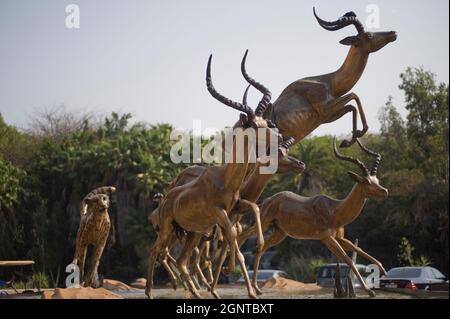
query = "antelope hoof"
{"x": 215, "y": 294}
{"x": 258, "y": 291}
{"x": 174, "y": 286}
{"x": 148, "y": 294}
{"x": 196, "y": 295}
{"x": 252, "y": 295}
{"x": 371, "y": 293}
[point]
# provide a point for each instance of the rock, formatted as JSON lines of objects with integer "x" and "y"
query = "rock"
{"x": 288, "y": 284}
{"x": 80, "y": 293}
{"x": 111, "y": 284}
{"x": 139, "y": 283}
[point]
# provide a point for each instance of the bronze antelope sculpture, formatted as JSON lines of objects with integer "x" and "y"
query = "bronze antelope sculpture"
{"x": 321, "y": 217}
{"x": 206, "y": 201}
{"x": 250, "y": 192}
{"x": 203, "y": 249}
{"x": 309, "y": 102}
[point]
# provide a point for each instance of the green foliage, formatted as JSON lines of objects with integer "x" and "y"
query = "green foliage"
{"x": 37, "y": 280}
{"x": 405, "y": 255}
{"x": 15, "y": 147}
{"x": 315, "y": 264}
{"x": 422, "y": 261}
{"x": 236, "y": 274}
{"x": 10, "y": 185}
{"x": 40, "y": 280}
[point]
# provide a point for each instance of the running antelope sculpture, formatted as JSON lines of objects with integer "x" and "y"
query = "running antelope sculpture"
{"x": 309, "y": 102}
{"x": 197, "y": 206}
{"x": 321, "y": 217}
{"x": 250, "y": 192}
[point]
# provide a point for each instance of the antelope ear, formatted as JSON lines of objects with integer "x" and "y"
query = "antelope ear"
{"x": 282, "y": 151}
{"x": 350, "y": 40}
{"x": 355, "y": 177}
{"x": 243, "y": 119}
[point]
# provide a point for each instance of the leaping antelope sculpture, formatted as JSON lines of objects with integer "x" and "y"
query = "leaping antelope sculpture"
{"x": 309, "y": 102}
{"x": 206, "y": 201}
{"x": 321, "y": 217}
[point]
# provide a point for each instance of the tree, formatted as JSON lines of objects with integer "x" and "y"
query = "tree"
{"x": 394, "y": 137}
{"x": 427, "y": 103}
{"x": 428, "y": 132}
{"x": 57, "y": 123}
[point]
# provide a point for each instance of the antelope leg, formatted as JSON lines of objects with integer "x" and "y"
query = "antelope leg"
{"x": 337, "y": 250}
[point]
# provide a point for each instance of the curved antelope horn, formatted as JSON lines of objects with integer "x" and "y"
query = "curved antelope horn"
{"x": 235, "y": 105}
{"x": 261, "y": 88}
{"x": 376, "y": 163}
{"x": 347, "y": 19}
{"x": 350, "y": 159}
{"x": 288, "y": 143}
{"x": 244, "y": 98}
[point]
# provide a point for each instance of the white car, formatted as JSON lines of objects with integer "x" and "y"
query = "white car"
{"x": 413, "y": 278}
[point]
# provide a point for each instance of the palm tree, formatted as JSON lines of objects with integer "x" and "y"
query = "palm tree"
{"x": 317, "y": 158}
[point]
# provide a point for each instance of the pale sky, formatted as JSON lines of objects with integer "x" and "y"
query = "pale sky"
{"x": 149, "y": 57}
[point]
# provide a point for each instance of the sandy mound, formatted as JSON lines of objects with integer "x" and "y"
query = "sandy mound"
{"x": 111, "y": 284}
{"x": 288, "y": 284}
{"x": 139, "y": 283}
{"x": 80, "y": 293}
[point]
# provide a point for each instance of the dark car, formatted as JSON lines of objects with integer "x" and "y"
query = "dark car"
{"x": 412, "y": 278}
{"x": 326, "y": 273}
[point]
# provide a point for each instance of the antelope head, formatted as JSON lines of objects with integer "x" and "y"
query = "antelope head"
{"x": 368, "y": 180}
{"x": 368, "y": 42}
{"x": 248, "y": 117}
{"x": 286, "y": 163}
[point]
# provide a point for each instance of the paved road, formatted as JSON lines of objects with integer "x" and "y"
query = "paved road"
{"x": 234, "y": 292}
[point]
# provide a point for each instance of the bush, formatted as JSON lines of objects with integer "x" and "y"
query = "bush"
{"x": 304, "y": 269}
{"x": 37, "y": 280}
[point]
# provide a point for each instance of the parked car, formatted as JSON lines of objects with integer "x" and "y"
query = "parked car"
{"x": 264, "y": 275}
{"x": 325, "y": 275}
{"x": 412, "y": 278}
